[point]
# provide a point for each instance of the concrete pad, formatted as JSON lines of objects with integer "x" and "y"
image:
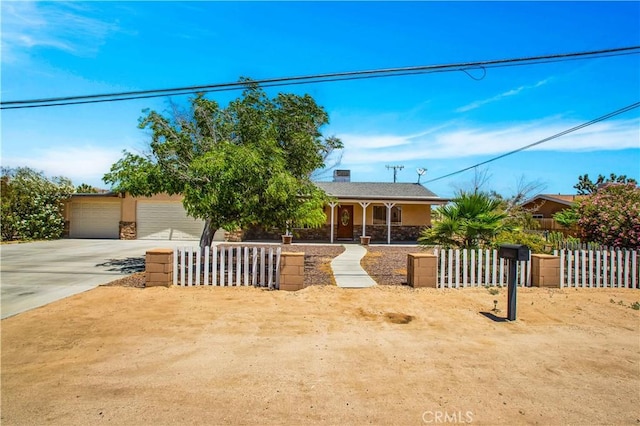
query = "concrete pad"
{"x": 347, "y": 270}
{"x": 38, "y": 273}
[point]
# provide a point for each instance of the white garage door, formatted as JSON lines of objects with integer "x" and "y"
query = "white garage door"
{"x": 166, "y": 221}
{"x": 95, "y": 219}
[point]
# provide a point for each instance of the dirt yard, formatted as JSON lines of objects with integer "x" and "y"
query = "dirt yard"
{"x": 323, "y": 355}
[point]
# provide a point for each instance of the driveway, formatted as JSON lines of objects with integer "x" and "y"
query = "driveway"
{"x": 34, "y": 274}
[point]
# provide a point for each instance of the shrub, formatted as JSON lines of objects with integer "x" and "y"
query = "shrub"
{"x": 32, "y": 204}
{"x": 611, "y": 216}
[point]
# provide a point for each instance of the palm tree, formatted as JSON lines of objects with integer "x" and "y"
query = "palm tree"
{"x": 471, "y": 221}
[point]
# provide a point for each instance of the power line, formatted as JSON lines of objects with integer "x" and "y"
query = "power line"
{"x": 557, "y": 135}
{"x": 318, "y": 78}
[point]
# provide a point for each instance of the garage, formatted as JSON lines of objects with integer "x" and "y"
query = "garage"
{"x": 166, "y": 221}
{"x": 95, "y": 219}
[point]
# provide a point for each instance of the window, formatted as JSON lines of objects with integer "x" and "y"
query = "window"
{"x": 380, "y": 215}
{"x": 537, "y": 216}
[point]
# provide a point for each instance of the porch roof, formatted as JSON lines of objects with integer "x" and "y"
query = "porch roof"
{"x": 380, "y": 191}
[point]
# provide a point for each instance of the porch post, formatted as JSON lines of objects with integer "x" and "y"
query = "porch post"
{"x": 364, "y": 205}
{"x": 332, "y": 205}
{"x": 389, "y": 206}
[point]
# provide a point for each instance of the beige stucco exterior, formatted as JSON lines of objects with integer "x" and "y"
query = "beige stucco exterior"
{"x": 412, "y": 214}
{"x": 129, "y": 204}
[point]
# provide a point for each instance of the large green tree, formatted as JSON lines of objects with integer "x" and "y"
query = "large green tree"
{"x": 247, "y": 163}
{"x": 32, "y": 204}
{"x": 472, "y": 220}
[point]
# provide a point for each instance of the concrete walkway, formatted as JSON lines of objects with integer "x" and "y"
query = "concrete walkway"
{"x": 347, "y": 270}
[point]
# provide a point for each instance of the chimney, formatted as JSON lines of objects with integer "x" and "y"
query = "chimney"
{"x": 342, "y": 175}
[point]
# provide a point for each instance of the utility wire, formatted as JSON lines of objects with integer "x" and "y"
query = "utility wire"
{"x": 318, "y": 78}
{"x": 557, "y": 135}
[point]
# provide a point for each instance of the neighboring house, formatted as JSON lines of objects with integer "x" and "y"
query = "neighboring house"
{"x": 544, "y": 206}
{"x": 391, "y": 212}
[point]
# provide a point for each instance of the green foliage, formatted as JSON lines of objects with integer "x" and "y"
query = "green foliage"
{"x": 635, "y": 306}
{"x": 472, "y": 220}
{"x": 535, "y": 242}
{"x": 85, "y": 188}
{"x": 248, "y": 163}
{"x": 557, "y": 238}
{"x": 586, "y": 186}
{"x": 567, "y": 218}
{"x": 32, "y": 204}
{"x": 611, "y": 215}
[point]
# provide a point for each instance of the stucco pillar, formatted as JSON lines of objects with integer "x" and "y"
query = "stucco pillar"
{"x": 545, "y": 270}
{"x": 422, "y": 270}
{"x": 291, "y": 271}
{"x": 159, "y": 267}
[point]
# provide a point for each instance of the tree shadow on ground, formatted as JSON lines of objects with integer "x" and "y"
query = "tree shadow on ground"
{"x": 129, "y": 265}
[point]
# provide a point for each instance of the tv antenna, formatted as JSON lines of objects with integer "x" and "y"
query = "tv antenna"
{"x": 420, "y": 172}
{"x": 395, "y": 171}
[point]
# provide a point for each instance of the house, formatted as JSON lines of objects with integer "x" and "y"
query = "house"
{"x": 544, "y": 206}
{"x": 384, "y": 211}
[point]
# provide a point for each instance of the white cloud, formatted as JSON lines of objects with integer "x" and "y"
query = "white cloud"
{"x": 512, "y": 92}
{"x": 80, "y": 164}
{"x": 459, "y": 142}
{"x": 57, "y": 25}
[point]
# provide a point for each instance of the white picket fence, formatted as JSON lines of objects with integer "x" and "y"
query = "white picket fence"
{"x": 477, "y": 268}
{"x": 598, "y": 268}
{"x": 227, "y": 266}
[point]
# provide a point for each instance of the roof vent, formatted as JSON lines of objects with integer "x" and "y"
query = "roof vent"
{"x": 342, "y": 175}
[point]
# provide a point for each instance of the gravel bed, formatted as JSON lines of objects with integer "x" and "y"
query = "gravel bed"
{"x": 387, "y": 265}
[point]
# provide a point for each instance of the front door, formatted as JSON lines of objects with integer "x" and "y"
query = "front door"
{"x": 345, "y": 222}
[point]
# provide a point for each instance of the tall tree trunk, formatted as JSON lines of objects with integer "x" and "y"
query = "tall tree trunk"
{"x": 207, "y": 233}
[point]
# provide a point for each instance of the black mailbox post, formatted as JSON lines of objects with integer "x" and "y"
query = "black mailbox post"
{"x": 513, "y": 253}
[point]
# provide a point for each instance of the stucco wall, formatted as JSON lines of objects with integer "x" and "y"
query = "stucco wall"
{"x": 412, "y": 214}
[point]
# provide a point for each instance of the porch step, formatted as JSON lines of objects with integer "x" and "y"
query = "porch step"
{"x": 347, "y": 270}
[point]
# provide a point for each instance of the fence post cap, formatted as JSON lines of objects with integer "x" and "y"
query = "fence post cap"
{"x": 421, "y": 254}
{"x": 160, "y": 251}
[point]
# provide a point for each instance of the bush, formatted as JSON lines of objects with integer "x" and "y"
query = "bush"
{"x": 32, "y": 205}
{"x": 611, "y": 216}
{"x": 534, "y": 241}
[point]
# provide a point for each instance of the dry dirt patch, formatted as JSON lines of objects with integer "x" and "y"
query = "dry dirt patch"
{"x": 322, "y": 355}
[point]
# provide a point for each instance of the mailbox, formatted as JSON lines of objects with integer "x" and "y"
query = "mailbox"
{"x": 513, "y": 252}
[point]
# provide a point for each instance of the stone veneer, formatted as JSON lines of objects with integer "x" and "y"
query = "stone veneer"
{"x": 234, "y": 236}
{"x": 257, "y": 233}
{"x": 378, "y": 233}
{"x": 398, "y": 233}
{"x": 128, "y": 231}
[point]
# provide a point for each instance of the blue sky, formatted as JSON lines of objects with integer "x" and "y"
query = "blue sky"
{"x": 442, "y": 122}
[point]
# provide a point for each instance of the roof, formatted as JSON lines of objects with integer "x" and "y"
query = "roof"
{"x": 566, "y": 199}
{"x": 379, "y": 191}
